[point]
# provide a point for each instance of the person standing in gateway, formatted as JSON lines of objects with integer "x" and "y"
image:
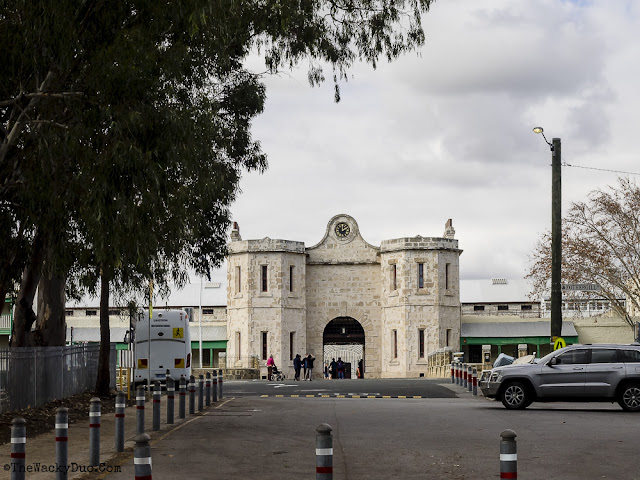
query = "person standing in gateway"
{"x": 309, "y": 363}
{"x": 297, "y": 365}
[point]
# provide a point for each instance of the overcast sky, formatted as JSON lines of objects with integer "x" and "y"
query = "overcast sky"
{"x": 447, "y": 132}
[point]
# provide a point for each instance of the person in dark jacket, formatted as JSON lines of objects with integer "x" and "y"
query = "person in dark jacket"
{"x": 333, "y": 368}
{"x": 309, "y": 364}
{"x": 297, "y": 365}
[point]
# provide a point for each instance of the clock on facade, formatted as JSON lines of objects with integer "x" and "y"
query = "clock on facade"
{"x": 342, "y": 230}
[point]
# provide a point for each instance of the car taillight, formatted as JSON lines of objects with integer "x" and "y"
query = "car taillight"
{"x": 188, "y": 360}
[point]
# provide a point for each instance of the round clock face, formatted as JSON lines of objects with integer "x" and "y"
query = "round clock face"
{"x": 342, "y": 230}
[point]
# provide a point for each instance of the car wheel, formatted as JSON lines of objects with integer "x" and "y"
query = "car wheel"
{"x": 516, "y": 396}
{"x": 629, "y": 398}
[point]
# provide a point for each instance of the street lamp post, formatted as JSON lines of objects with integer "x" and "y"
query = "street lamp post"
{"x": 556, "y": 234}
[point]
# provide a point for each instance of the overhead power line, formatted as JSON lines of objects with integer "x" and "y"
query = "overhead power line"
{"x": 565, "y": 164}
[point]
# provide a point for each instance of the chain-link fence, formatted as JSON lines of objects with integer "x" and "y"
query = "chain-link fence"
{"x": 33, "y": 376}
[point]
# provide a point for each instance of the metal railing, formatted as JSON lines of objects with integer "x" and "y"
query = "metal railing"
{"x": 5, "y": 321}
{"x": 33, "y": 376}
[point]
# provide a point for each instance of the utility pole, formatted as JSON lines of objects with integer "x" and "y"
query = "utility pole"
{"x": 556, "y": 239}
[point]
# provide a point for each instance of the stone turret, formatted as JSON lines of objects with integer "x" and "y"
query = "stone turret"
{"x": 449, "y": 231}
{"x": 235, "y": 232}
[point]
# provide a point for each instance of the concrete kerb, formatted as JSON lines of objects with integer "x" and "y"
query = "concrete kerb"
{"x": 41, "y": 449}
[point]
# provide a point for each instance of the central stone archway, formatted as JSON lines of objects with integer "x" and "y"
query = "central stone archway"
{"x": 344, "y": 338}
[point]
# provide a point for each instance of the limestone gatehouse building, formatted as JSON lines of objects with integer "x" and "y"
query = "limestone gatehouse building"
{"x": 385, "y": 308}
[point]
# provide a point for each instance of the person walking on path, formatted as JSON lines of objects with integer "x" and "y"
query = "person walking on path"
{"x": 340, "y": 366}
{"x": 333, "y": 369}
{"x": 297, "y": 365}
{"x": 309, "y": 361}
{"x": 270, "y": 364}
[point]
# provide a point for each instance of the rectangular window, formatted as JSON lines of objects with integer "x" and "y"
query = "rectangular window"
{"x": 263, "y": 278}
{"x": 503, "y": 307}
{"x": 421, "y": 343}
{"x": 446, "y": 276}
{"x": 394, "y": 276}
{"x": 525, "y": 307}
{"x": 421, "y": 275}
{"x": 448, "y": 338}
{"x": 291, "y": 278}
{"x": 207, "y": 311}
{"x": 238, "y": 350}
{"x": 264, "y": 345}
{"x": 291, "y": 344}
{"x": 238, "y": 279}
{"x": 91, "y": 313}
{"x": 478, "y": 308}
{"x": 114, "y": 312}
{"x": 395, "y": 344}
{"x": 68, "y": 313}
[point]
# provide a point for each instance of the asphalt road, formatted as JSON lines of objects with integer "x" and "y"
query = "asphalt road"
{"x": 454, "y": 437}
{"x": 426, "y": 388}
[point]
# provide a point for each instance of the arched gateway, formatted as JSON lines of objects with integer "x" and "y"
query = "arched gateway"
{"x": 344, "y": 338}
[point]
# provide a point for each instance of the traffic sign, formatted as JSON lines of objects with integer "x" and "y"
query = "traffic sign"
{"x": 559, "y": 343}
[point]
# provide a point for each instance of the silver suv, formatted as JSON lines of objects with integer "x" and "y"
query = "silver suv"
{"x": 591, "y": 373}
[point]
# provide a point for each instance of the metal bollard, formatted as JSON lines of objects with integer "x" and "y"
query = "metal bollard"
{"x": 120, "y": 406}
{"x": 183, "y": 394}
{"x": 200, "y": 392}
{"x": 207, "y": 389}
{"x": 470, "y": 378}
{"x": 508, "y": 455}
{"x": 170, "y": 399}
{"x": 192, "y": 395}
{"x": 157, "y": 392}
{"x": 18, "y": 448}
{"x": 94, "y": 432}
{"x": 214, "y": 386}
{"x": 324, "y": 452}
{"x": 464, "y": 376}
{"x": 142, "y": 457}
{"x": 457, "y": 374}
{"x": 220, "y": 382}
{"x": 474, "y": 376}
{"x": 453, "y": 374}
{"x": 140, "y": 410}
{"x": 62, "y": 443}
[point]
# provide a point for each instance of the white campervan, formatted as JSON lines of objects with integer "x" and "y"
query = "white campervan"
{"x": 170, "y": 346}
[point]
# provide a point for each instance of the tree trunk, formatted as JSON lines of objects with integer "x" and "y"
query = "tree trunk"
{"x": 24, "y": 316}
{"x": 50, "y": 324}
{"x": 102, "y": 381}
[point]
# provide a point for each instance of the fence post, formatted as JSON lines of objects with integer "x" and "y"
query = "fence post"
{"x": 192, "y": 395}
{"x": 220, "y": 382}
{"x": 508, "y": 455}
{"x": 214, "y": 386}
{"x": 475, "y": 381}
{"x": 324, "y": 452}
{"x": 170, "y": 399}
{"x": 94, "y": 432}
{"x": 156, "y": 406}
{"x": 453, "y": 378}
{"x": 470, "y": 378}
{"x": 200, "y": 392}
{"x": 183, "y": 393}
{"x": 207, "y": 389}
{"x": 62, "y": 443}
{"x": 120, "y": 409}
{"x": 464, "y": 376}
{"x": 142, "y": 457}
{"x": 18, "y": 448}
{"x": 140, "y": 397}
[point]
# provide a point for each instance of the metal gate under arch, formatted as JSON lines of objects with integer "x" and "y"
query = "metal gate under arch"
{"x": 344, "y": 337}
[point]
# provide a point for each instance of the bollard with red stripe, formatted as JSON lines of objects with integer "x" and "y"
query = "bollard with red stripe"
{"x": 207, "y": 389}
{"x": 183, "y": 394}
{"x": 324, "y": 452}
{"x": 464, "y": 376}
{"x": 200, "y": 392}
{"x": 214, "y": 386}
{"x": 508, "y": 455}
{"x": 170, "y": 399}
{"x": 120, "y": 406}
{"x": 475, "y": 381}
{"x": 457, "y": 374}
{"x": 156, "y": 406}
{"x": 220, "y": 384}
{"x": 192, "y": 395}
{"x": 18, "y": 448}
{"x": 140, "y": 398}
{"x": 470, "y": 378}
{"x": 62, "y": 443}
{"x": 94, "y": 432}
{"x": 142, "y": 457}
{"x": 453, "y": 377}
